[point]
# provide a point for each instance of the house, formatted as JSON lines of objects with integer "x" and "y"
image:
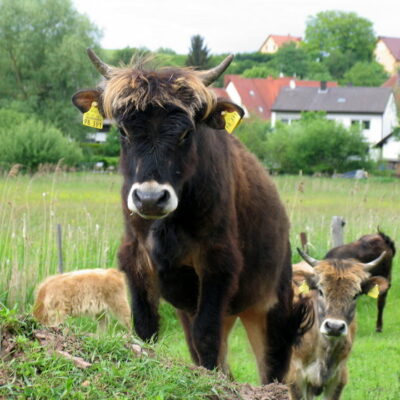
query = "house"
{"x": 274, "y": 42}
{"x": 256, "y": 95}
{"x": 373, "y": 108}
{"x": 101, "y": 135}
{"x": 387, "y": 53}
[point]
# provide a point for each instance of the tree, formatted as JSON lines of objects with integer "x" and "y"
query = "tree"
{"x": 365, "y": 74}
{"x": 260, "y": 72}
{"x": 291, "y": 60}
{"x": 345, "y": 36}
{"x": 198, "y": 56}
{"x": 316, "y": 144}
{"x": 43, "y": 58}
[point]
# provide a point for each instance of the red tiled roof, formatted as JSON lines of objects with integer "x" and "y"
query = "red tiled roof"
{"x": 259, "y": 94}
{"x": 280, "y": 39}
{"x": 393, "y": 44}
{"x": 393, "y": 81}
{"x": 220, "y": 92}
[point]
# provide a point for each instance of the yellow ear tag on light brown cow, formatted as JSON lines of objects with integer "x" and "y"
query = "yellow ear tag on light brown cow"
{"x": 374, "y": 292}
{"x": 304, "y": 288}
{"x": 93, "y": 118}
{"x": 232, "y": 120}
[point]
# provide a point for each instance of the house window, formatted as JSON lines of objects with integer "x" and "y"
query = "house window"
{"x": 355, "y": 122}
{"x": 285, "y": 121}
{"x": 366, "y": 124}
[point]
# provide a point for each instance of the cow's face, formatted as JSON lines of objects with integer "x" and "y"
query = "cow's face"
{"x": 158, "y": 114}
{"x": 336, "y": 284}
{"x": 158, "y": 156}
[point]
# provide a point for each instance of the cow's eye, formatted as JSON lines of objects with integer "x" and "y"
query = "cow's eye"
{"x": 122, "y": 131}
{"x": 321, "y": 293}
{"x": 184, "y": 136}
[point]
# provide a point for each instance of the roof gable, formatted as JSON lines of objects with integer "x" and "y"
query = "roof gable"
{"x": 393, "y": 44}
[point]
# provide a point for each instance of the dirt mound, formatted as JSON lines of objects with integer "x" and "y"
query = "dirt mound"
{"x": 274, "y": 391}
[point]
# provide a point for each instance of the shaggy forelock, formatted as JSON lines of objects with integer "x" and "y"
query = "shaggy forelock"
{"x": 135, "y": 88}
{"x": 341, "y": 277}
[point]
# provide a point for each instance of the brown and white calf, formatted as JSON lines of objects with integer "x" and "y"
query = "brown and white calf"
{"x": 318, "y": 364}
{"x": 92, "y": 292}
{"x": 365, "y": 249}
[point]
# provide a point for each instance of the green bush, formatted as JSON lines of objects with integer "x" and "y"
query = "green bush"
{"x": 253, "y": 134}
{"x": 315, "y": 144}
{"x": 28, "y": 141}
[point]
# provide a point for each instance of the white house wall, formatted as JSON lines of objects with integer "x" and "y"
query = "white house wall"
{"x": 380, "y": 127}
{"x": 235, "y": 97}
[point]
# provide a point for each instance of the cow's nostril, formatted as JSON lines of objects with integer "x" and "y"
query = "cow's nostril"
{"x": 164, "y": 197}
{"x": 136, "y": 196}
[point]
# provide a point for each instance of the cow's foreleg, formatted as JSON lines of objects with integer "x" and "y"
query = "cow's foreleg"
{"x": 216, "y": 286}
{"x": 144, "y": 294}
{"x": 186, "y": 321}
{"x": 254, "y": 322}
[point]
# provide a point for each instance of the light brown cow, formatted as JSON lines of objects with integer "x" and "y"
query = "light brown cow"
{"x": 90, "y": 292}
{"x": 318, "y": 364}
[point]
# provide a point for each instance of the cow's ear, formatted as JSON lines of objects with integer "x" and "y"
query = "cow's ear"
{"x": 304, "y": 273}
{"x": 216, "y": 119}
{"x": 375, "y": 284}
{"x": 84, "y": 99}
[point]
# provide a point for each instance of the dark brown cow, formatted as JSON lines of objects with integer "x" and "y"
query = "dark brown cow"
{"x": 204, "y": 226}
{"x": 366, "y": 249}
{"x": 318, "y": 364}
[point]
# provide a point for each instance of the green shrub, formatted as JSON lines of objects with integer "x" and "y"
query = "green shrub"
{"x": 253, "y": 134}
{"x": 315, "y": 144}
{"x": 30, "y": 142}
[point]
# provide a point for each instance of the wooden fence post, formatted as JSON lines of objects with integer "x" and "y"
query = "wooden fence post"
{"x": 337, "y": 229}
{"x": 304, "y": 241}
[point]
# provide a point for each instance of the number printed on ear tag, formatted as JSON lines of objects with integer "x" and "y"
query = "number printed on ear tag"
{"x": 232, "y": 120}
{"x": 93, "y": 118}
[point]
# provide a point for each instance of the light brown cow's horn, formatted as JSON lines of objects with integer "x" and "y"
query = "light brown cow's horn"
{"x": 309, "y": 260}
{"x": 209, "y": 76}
{"x": 101, "y": 66}
{"x": 374, "y": 263}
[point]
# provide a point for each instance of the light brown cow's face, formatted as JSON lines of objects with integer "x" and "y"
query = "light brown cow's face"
{"x": 335, "y": 285}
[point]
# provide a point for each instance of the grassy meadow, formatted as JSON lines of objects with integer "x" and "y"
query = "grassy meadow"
{"x": 87, "y": 205}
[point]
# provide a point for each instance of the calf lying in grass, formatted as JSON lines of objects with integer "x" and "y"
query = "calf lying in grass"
{"x": 92, "y": 292}
{"x": 318, "y": 364}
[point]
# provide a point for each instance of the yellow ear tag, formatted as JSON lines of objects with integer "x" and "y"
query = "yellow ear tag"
{"x": 93, "y": 118}
{"x": 304, "y": 288}
{"x": 374, "y": 292}
{"x": 232, "y": 120}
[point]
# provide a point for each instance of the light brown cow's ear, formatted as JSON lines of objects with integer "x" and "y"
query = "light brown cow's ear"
{"x": 84, "y": 99}
{"x": 216, "y": 120}
{"x": 379, "y": 281}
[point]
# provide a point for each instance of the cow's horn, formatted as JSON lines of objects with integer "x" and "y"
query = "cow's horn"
{"x": 101, "y": 66}
{"x": 209, "y": 76}
{"x": 309, "y": 260}
{"x": 374, "y": 263}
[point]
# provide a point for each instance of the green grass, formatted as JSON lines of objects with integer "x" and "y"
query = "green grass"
{"x": 88, "y": 207}
{"x": 33, "y": 371}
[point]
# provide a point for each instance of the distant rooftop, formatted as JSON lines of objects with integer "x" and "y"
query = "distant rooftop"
{"x": 364, "y": 100}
